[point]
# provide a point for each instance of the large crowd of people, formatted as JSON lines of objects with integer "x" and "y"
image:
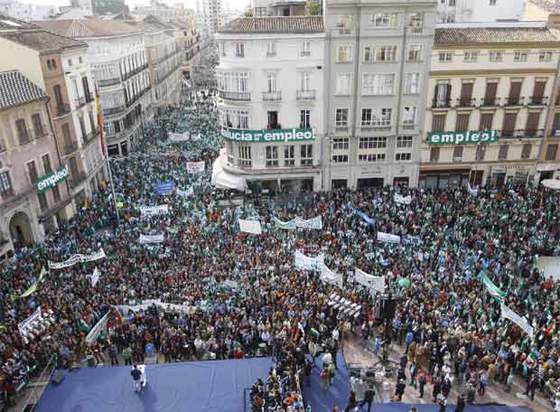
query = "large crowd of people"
{"x": 241, "y": 295}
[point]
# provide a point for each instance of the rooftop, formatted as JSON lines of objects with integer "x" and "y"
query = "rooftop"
{"x": 16, "y": 89}
{"x": 464, "y": 36}
{"x": 9, "y": 23}
{"x": 90, "y": 27}
{"x": 41, "y": 40}
{"x": 299, "y": 24}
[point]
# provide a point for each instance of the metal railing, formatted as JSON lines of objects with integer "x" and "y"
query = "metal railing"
{"x": 70, "y": 148}
{"x": 537, "y": 100}
{"x": 108, "y": 82}
{"x": 522, "y": 134}
{"x": 80, "y": 101}
{"x": 62, "y": 109}
{"x": 77, "y": 180}
{"x": 305, "y": 94}
{"x": 240, "y": 96}
{"x": 273, "y": 96}
{"x": 113, "y": 110}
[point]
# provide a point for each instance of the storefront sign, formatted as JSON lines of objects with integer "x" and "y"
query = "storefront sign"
{"x": 50, "y": 181}
{"x": 458, "y": 138}
{"x": 269, "y": 136}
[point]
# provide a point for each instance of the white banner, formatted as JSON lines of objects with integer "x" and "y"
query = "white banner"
{"x": 402, "y": 200}
{"x": 25, "y": 327}
{"x": 250, "y": 226}
{"x": 195, "y": 167}
{"x": 186, "y": 193}
{"x": 97, "y": 329}
{"x": 155, "y": 302}
{"x": 376, "y": 283}
{"x": 77, "y": 259}
{"x": 388, "y": 237}
{"x": 314, "y": 223}
{"x": 473, "y": 192}
{"x": 331, "y": 277}
{"x": 154, "y": 210}
{"x": 289, "y": 225}
{"x": 179, "y": 137}
{"x": 507, "y": 313}
{"x": 145, "y": 239}
{"x": 94, "y": 277}
{"x": 308, "y": 263}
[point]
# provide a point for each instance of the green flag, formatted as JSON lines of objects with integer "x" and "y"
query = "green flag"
{"x": 495, "y": 291}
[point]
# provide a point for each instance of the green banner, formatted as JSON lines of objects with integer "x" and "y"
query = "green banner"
{"x": 269, "y": 136}
{"x": 459, "y": 138}
{"x": 495, "y": 291}
{"x": 31, "y": 289}
{"x": 49, "y": 181}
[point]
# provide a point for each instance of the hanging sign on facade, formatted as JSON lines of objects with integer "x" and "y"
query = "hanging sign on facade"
{"x": 269, "y": 136}
{"x": 51, "y": 180}
{"x": 460, "y": 138}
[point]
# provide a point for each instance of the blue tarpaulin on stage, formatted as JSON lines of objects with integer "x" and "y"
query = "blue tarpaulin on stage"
{"x": 207, "y": 386}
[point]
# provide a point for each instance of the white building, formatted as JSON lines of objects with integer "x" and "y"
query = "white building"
{"x": 271, "y": 78}
{"x": 462, "y": 11}
{"x": 209, "y": 15}
{"x": 27, "y": 11}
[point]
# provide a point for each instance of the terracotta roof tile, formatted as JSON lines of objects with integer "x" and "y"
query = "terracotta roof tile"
{"x": 482, "y": 35}
{"x": 299, "y": 24}
{"x": 16, "y": 89}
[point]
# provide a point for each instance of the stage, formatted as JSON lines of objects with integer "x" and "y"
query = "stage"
{"x": 206, "y": 386}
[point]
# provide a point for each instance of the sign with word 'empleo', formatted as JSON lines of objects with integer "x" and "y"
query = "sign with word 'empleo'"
{"x": 269, "y": 136}
{"x": 458, "y": 138}
{"x": 49, "y": 181}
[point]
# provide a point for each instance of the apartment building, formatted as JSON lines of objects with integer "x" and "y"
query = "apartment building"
{"x": 59, "y": 65}
{"x": 473, "y": 11}
{"x": 34, "y": 190}
{"x": 376, "y": 77}
{"x": 488, "y": 96}
{"x": 117, "y": 55}
{"x": 270, "y": 82}
{"x": 210, "y": 16}
{"x": 188, "y": 44}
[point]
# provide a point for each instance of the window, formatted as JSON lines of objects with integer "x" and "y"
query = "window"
{"x": 340, "y": 143}
{"x": 289, "y": 155}
{"x": 80, "y": 60}
{"x": 340, "y": 158}
{"x": 2, "y": 145}
{"x": 409, "y": 116}
{"x": 344, "y": 24}
{"x": 306, "y": 48}
{"x": 56, "y": 194}
{"x": 458, "y": 153}
{"x": 551, "y": 151}
{"x": 23, "y": 135}
{"x": 234, "y": 81}
{"x": 503, "y": 152}
{"x": 442, "y": 95}
{"x": 373, "y": 143}
{"x": 369, "y": 54}
{"x": 344, "y": 54}
{"x": 545, "y": 56}
{"x": 414, "y": 53}
{"x": 234, "y": 118}
{"x": 46, "y": 164}
{"x": 377, "y": 117}
{"x": 271, "y": 81}
{"x": 415, "y": 22}
{"x": 377, "y": 84}
{"x": 304, "y": 81}
{"x": 403, "y": 157}
{"x": 239, "y": 49}
{"x": 438, "y": 122}
{"x": 462, "y": 122}
{"x": 526, "y": 151}
{"x": 486, "y": 121}
{"x": 386, "y": 54}
{"x": 271, "y": 49}
{"x": 480, "y": 153}
{"x": 445, "y": 57}
{"x": 6, "y": 188}
{"x": 32, "y": 172}
{"x": 492, "y": 2}
{"x": 273, "y": 120}
{"x": 342, "y": 117}
{"x": 271, "y": 156}
{"x": 69, "y": 62}
{"x": 305, "y": 119}
{"x": 384, "y": 19}
{"x": 244, "y": 156}
{"x": 496, "y": 56}
{"x": 471, "y": 57}
{"x": 343, "y": 83}
{"x": 412, "y": 83}
{"x": 520, "y": 56}
{"x": 434, "y": 154}
{"x": 404, "y": 142}
{"x": 43, "y": 203}
{"x": 306, "y": 154}
{"x": 37, "y": 125}
{"x": 371, "y": 157}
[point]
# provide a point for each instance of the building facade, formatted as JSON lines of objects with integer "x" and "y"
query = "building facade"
{"x": 34, "y": 190}
{"x": 489, "y": 97}
{"x": 464, "y": 11}
{"x": 209, "y": 15}
{"x": 270, "y": 82}
{"x": 59, "y": 65}
{"x": 117, "y": 55}
{"x": 377, "y": 67}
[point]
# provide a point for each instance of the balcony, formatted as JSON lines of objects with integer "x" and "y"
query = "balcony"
{"x": 274, "y": 96}
{"x": 108, "y": 82}
{"x": 41, "y": 133}
{"x": 77, "y": 180}
{"x": 378, "y": 125}
{"x": 113, "y": 110}
{"x": 441, "y": 104}
{"x": 79, "y": 102}
{"x": 62, "y": 109}
{"x": 70, "y": 148}
{"x": 89, "y": 98}
{"x": 91, "y": 135}
{"x": 305, "y": 53}
{"x": 465, "y": 102}
{"x": 408, "y": 124}
{"x": 537, "y": 101}
{"x": 490, "y": 101}
{"x": 513, "y": 101}
{"x": 305, "y": 94}
{"x": 135, "y": 71}
{"x": 236, "y": 96}
{"x": 522, "y": 134}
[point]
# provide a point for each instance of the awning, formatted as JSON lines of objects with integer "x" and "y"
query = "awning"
{"x": 225, "y": 180}
{"x": 551, "y": 183}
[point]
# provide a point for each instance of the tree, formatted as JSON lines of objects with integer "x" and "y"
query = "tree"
{"x": 248, "y": 13}
{"x": 313, "y": 8}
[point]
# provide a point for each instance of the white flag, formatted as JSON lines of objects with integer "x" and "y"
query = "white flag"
{"x": 376, "y": 283}
{"x": 402, "y": 200}
{"x": 94, "y": 278}
{"x": 331, "y": 277}
{"x": 145, "y": 239}
{"x": 195, "y": 167}
{"x": 250, "y": 226}
{"x": 309, "y": 263}
{"x": 388, "y": 237}
{"x": 507, "y": 313}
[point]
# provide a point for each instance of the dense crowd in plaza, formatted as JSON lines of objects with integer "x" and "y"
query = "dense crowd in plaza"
{"x": 241, "y": 296}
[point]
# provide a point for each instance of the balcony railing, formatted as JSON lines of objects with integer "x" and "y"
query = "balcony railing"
{"x": 305, "y": 53}
{"x": 70, "y": 148}
{"x": 490, "y": 101}
{"x": 380, "y": 125}
{"x": 77, "y": 180}
{"x": 465, "y": 102}
{"x": 537, "y": 100}
{"x": 441, "y": 103}
{"x": 42, "y": 133}
{"x": 305, "y": 94}
{"x": 108, "y": 82}
{"x": 89, "y": 98}
{"x": 91, "y": 135}
{"x": 62, "y": 109}
{"x": 273, "y": 96}
{"x": 135, "y": 71}
{"x": 513, "y": 101}
{"x": 113, "y": 110}
{"x": 522, "y": 134}
{"x": 80, "y": 101}
{"x": 240, "y": 96}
